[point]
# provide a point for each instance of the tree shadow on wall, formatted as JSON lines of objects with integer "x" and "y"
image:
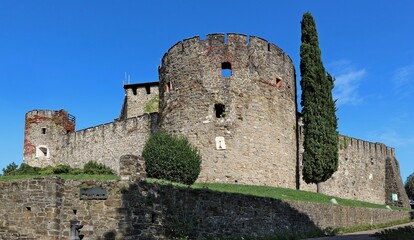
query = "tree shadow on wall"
{"x": 154, "y": 211}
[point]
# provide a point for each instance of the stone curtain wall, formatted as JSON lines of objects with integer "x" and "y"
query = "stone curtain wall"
{"x": 361, "y": 173}
{"x": 258, "y": 123}
{"x": 42, "y": 209}
{"x": 105, "y": 143}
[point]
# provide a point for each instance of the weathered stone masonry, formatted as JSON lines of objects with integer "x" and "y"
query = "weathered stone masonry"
{"x": 257, "y": 100}
{"x": 105, "y": 143}
{"x": 42, "y": 208}
{"x": 234, "y": 97}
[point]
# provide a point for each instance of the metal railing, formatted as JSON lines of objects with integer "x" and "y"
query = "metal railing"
{"x": 71, "y": 118}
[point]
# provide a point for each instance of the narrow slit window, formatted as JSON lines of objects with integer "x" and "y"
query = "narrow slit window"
{"x": 279, "y": 83}
{"x": 168, "y": 87}
{"x": 226, "y": 69}
{"x": 43, "y": 130}
{"x": 220, "y": 110}
{"x": 153, "y": 217}
{"x": 148, "y": 89}
{"x": 134, "y": 91}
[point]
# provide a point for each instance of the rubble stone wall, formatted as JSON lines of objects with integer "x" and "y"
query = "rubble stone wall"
{"x": 43, "y": 208}
{"x": 243, "y": 123}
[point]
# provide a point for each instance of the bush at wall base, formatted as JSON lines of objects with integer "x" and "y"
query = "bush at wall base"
{"x": 171, "y": 158}
{"x": 90, "y": 168}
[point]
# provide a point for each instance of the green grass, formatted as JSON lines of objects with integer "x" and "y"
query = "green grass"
{"x": 283, "y": 194}
{"x": 17, "y": 177}
{"x": 89, "y": 177}
{"x": 64, "y": 176}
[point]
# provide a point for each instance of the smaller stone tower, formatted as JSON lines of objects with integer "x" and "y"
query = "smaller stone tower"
{"x": 43, "y": 136}
{"x": 140, "y": 98}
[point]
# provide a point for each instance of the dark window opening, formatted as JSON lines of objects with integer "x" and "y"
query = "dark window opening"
{"x": 134, "y": 91}
{"x": 43, "y": 152}
{"x": 152, "y": 217}
{"x": 74, "y": 211}
{"x": 279, "y": 83}
{"x": 220, "y": 110}
{"x": 148, "y": 89}
{"x": 226, "y": 69}
{"x": 43, "y": 130}
{"x": 29, "y": 209}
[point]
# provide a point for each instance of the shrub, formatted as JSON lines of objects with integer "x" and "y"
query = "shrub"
{"x": 171, "y": 158}
{"x": 92, "y": 167}
{"x": 61, "y": 169}
{"x": 26, "y": 169}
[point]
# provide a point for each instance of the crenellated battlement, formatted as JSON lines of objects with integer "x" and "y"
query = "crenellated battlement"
{"x": 237, "y": 42}
{"x": 356, "y": 144}
{"x": 139, "y": 123}
{"x": 42, "y": 113}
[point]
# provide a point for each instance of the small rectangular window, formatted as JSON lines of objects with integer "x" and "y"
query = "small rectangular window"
{"x": 220, "y": 110}
{"x": 43, "y": 130}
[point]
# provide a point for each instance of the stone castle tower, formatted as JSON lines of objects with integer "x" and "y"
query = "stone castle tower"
{"x": 43, "y": 134}
{"x": 235, "y": 99}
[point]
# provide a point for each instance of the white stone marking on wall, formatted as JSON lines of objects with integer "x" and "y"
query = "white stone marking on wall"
{"x": 220, "y": 143}
{"x": 371, "y": 176}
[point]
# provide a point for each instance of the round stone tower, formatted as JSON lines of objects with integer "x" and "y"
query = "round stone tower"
{"x": 234, "y": 97}
{"x": 43, "y": 136}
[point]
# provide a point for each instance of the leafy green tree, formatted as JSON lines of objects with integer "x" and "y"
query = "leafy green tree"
{"x": 171, "y": 158}
{"x": 320, "y": 158}
{"x": 10, "y": 169}
{"x": 409, "y": 186}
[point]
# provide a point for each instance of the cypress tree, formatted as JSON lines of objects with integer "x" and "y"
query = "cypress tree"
{"x": 320, "y": 158}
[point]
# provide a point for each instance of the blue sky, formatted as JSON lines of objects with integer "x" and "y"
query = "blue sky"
{"x": 73, "y": 55}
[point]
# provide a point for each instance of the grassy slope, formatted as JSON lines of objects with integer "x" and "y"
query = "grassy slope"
{"x": 277, "y": 193}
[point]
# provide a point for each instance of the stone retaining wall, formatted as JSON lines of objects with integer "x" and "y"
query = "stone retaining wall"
{"x": 42, "y": 208}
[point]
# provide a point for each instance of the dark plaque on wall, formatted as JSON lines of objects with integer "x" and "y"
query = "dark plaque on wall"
{"x": 96, "y": 193}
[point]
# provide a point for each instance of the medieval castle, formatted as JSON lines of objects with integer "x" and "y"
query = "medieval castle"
{"x": 235, "y": 98}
